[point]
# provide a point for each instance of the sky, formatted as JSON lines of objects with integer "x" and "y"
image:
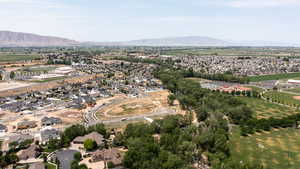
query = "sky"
{"x": 122, "y": 20}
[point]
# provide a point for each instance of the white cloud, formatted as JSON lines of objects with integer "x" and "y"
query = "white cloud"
{"x": 262, "y": 3}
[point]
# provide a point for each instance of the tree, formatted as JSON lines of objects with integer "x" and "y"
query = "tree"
{"x": 99, "y": 128}
{"x": 12, "y": 75}
{"x": 171, "y": 99}
{"x": 110, "y": 164}
{"x": 90, "y": 145}
{"x": 77, "y": 156}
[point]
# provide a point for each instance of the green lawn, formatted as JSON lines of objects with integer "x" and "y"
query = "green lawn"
{"x": 254, "y": 88}
{"x": 49, "y": 79}
{"x": 50, "y": 166}
{"x": 295, "y": 90}
{"x": 264, "y": 109}
{"x": 17, "y": 57}
{"x": 278, "y": 149}
{"x": 283, "y": 98}
{"x": 274, "y": 77}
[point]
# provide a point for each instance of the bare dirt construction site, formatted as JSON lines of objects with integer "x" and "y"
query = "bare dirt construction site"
{"x": 151, "y": 104}
{"x": 13, "y": 85}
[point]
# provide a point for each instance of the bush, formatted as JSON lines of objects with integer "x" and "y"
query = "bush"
{"x": 90, "y": 145}
{"x": 110, "y": 165}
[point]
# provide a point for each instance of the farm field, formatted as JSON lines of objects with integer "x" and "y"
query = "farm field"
{"x": 225, "y": 52}
{"x": 283, "y": 98}
{"x": 274, "y": 77}
{"x": 17, "y": 57}
{"x": 264, "y": 109}
{"x": 279, "y": 149}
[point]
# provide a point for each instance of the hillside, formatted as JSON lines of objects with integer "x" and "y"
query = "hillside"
{"x": 18, "y": 39}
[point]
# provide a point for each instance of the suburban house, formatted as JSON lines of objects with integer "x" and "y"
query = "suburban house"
{"x": 108, "y": 155}
{"x": 48, "y": 134}
{"x": 49, "y": 121}
{"x": 98, "y": 138}
{"x": 26, "y": 125}
{"x": 31, "y": 152}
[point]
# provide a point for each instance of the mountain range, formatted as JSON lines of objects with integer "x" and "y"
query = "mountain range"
{"x": 18, "y": 39}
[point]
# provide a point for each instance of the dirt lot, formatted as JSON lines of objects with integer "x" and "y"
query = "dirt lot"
{"x": 296, "y": 97}
{"x": 128, "y": 107}
{"x": 13, "y": 85}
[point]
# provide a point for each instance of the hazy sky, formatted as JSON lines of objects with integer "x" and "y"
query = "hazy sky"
{"x": 117, "y": 20}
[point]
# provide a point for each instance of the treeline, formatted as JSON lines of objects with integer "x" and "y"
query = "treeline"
{"x": 149, "y": 61}
{"x": 226, "y": 77}
{"x": 204, "y": 101}
{"x": 63, "y": 62}
{"x": 258, "y": 125}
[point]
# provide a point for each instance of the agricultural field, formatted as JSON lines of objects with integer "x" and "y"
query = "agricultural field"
{"x": 279, "y": 149}
{"x": 264, "y": 109}
{"x": 230, "y": 51}
{"x": 274, "y": 77}
{"x": 17, "y": 57}
{"x": 283, "y": 98}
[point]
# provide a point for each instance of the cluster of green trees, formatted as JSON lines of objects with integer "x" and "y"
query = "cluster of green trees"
{"x": 156, "y": 61}
{"x": 203, "y": 101}
{"x": 257, "y": 125}
{"x": 75, "y": 163}
{"x": 226, "y": 77}
{"x": 10, "y": 157}
{"x": 176, "y": 145}
{"x": 64, "y": 62}
{"x": 72, "y": 132}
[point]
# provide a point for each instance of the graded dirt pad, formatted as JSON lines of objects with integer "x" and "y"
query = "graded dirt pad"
{"x": 13, "y": 85}
{"x": 47, "y": 86}
{"x": 68, "y": 116}
{"x": 296, "y": 97}
{"x": 152, "y": 103}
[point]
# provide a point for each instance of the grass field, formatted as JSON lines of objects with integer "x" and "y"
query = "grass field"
{"x": 283, "y": 98}
{"x": 279, "y": 149}
{"x": 264, "y": 109}
{"x": 254, "y": 88}
{"x": 17, "y": 57}
{"x": 50, "y": 166}
{"x": 274, "y": 77}
{"x": 294, "y": 90}
{"x": 49, "y": 79}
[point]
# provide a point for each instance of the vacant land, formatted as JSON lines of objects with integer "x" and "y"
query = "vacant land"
{"x": 283, "y": 98}
{"x": 274, "y": 77}
{"x": 153, "y": 102}
{"x": 13, "y": 85}
{"x": 17, "y": 57}
{"x": 264, "y": 109}
{"x": 279, "y": 149}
